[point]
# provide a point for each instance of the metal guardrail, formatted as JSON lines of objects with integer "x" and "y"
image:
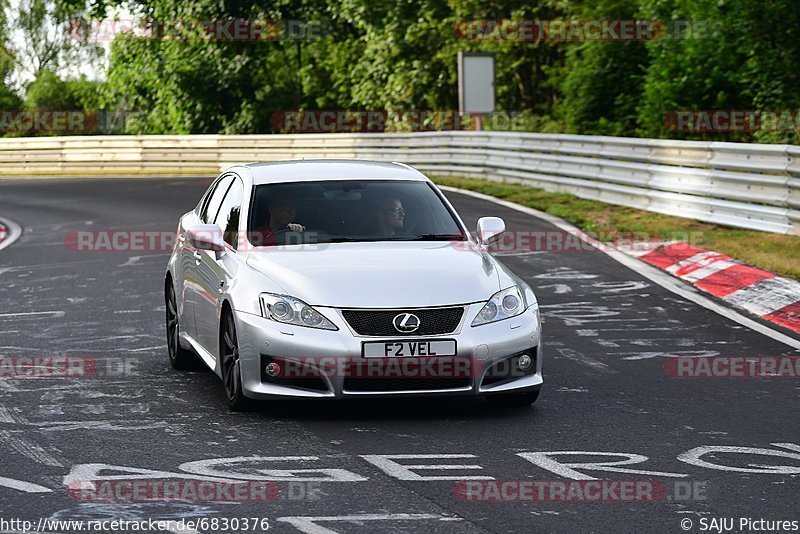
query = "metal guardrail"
{"x": 742, "y": 185}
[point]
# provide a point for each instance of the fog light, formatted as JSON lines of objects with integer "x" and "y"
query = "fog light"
{"x": 524, "y": 362}
{"x": 273, "y": 369}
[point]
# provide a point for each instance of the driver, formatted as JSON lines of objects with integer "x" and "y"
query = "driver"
{"x": 281, "y": 211}
{"x": 391, "y": 216}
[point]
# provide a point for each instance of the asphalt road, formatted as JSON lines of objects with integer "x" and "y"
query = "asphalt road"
{"x": 608, "y": 331}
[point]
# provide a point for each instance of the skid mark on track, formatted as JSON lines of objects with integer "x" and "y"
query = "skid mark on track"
{"x": 558, "y": 289}
{"x": 12, "y": 316}
{"x": 650, "y": 355}
{"x": 66, "y": 426}
{"x": 28, "y": 449}
{"x": 576, "y": 356}
{"x": 619, "y": 287}
{"x": 10, "y": 415}
{"x": 565, "y": 273}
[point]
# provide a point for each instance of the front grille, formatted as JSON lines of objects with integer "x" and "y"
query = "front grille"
{"x": 404, "y": 384}
{"x": 432, "y": 321}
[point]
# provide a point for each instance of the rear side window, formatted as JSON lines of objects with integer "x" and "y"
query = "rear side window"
{"x": 209, "y": 212}
{"x": 228, "y": 216}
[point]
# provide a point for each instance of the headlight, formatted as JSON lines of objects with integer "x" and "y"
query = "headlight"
{"x": 289, "y": 310}
{"x": 503, "y": 304}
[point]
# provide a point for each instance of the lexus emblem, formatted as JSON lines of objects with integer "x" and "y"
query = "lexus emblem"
{"x": 406, "y": 323}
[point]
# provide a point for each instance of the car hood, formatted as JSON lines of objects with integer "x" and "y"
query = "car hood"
{"x": 380, "y": 275}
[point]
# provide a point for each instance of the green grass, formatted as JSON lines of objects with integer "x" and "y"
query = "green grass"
{"x": 776, "y": 253}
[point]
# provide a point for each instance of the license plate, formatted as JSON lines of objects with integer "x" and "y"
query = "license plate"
{"x": 410, "y": 349}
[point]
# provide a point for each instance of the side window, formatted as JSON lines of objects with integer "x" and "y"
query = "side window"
{"x": 228, "y": 217}
{"x": 215, "y": 199}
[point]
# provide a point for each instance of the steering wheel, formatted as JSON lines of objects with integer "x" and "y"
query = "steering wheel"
{"x": 281, "y": 234}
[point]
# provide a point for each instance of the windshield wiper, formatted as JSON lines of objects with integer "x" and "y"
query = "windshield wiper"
{"x": 421, "y": 237}
{"x": 347, "y": 239}
{"x": 435, "y": 237}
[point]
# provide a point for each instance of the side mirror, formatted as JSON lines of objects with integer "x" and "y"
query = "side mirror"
{"x": 206, "y": 237}
{"x": 490, "y": 229}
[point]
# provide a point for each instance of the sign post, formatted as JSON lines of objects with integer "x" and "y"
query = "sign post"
{"x": 476, "y": 92}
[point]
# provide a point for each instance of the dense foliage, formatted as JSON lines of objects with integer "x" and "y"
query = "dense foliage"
{"x": 401, "y": 55}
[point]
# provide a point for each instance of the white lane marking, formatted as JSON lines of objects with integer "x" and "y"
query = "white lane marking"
{"x": 88, "y": 474}
{"x": 216, "y": 467}
{"x": 653, "y": 274}
{"x": 28, "y": 449}
{"x": 13, "y": 233}
{"x": 387, "y": 464}
{"x": 19, "y": 485}
{"x": 694, "y": 457}
{"x": 309, "y": 525}
{"x": 569, "y": 470}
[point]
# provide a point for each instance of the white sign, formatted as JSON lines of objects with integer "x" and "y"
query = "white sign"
{"x": 475, "y": 82}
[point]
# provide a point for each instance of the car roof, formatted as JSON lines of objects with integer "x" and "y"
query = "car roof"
{"x": 330, "y": 169}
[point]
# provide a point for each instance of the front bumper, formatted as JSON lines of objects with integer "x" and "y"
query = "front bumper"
{"x": 483, "y": 349}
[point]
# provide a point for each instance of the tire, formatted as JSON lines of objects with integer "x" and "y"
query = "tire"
{"x": 514, "y": 399}
{"x": 231, "y": 366}
{"x": 180, "y": 358}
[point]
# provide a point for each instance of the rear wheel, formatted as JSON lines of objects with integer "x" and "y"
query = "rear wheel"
{"x": 231, "y": 365}
{"x": 179, "y": 357}
{"x": 514, "y": 399}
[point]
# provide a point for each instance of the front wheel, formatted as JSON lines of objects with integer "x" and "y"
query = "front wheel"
{"x": 231, "y": 366}
{"x": 514, "y": 399}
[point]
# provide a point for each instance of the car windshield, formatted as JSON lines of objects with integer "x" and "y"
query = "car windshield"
{"x": 339, "y": 211}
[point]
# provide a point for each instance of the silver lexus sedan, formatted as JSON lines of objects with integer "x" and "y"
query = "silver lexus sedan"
{"x": 346, "y": 279}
